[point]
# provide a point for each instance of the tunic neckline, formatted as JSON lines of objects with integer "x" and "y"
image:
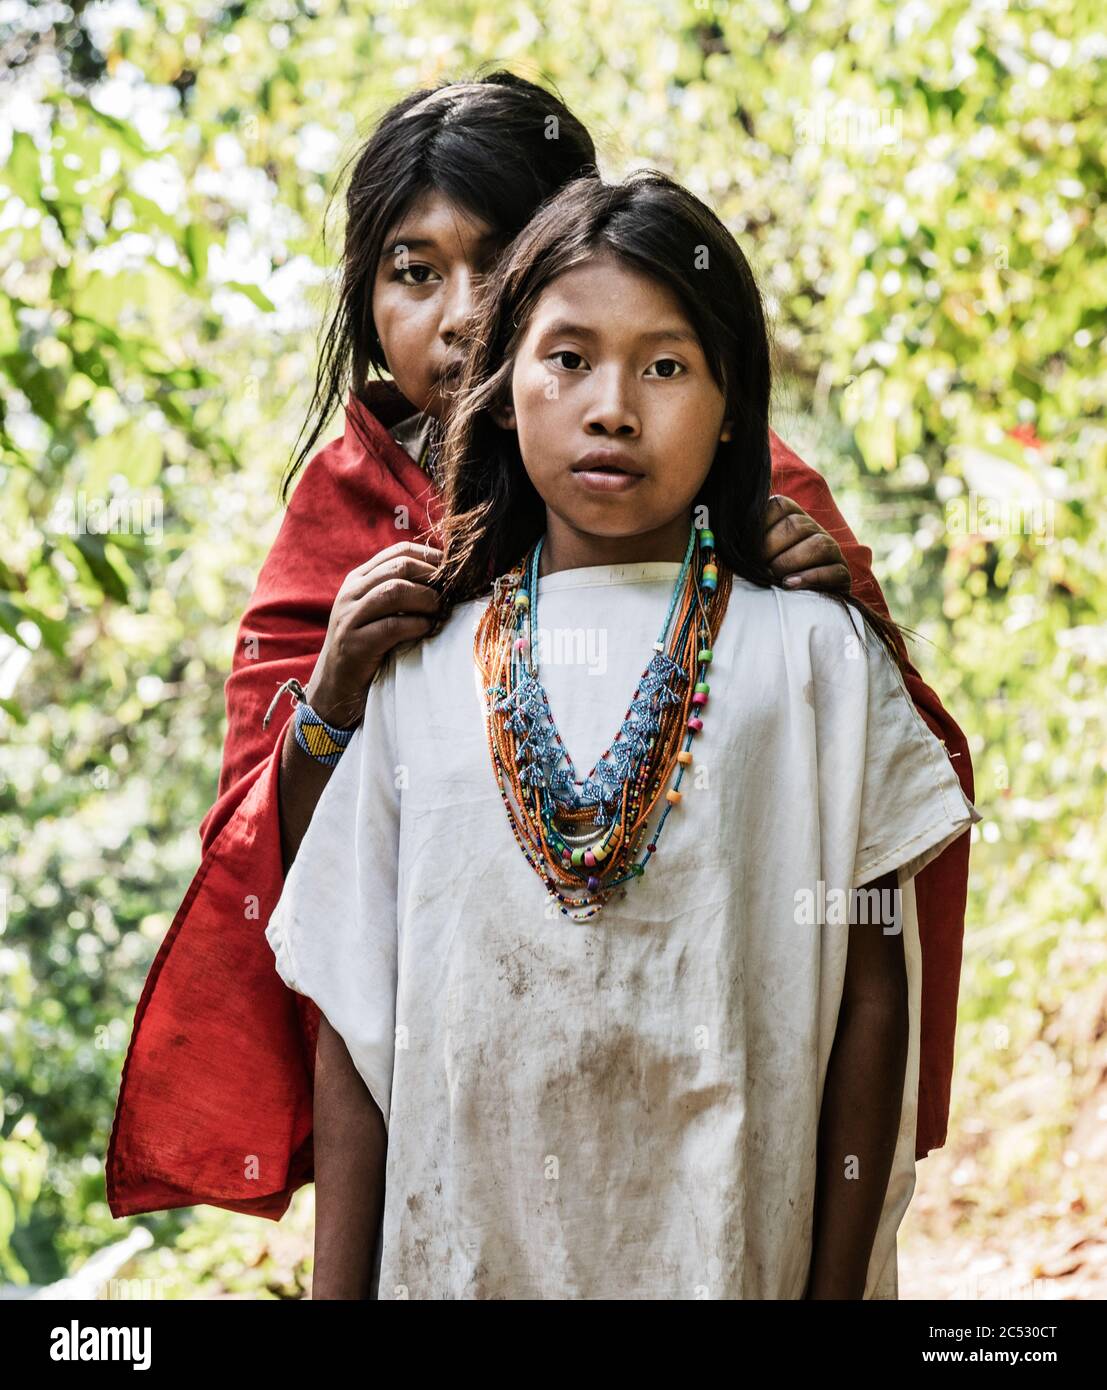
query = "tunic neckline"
{"x": 601, "y": 576}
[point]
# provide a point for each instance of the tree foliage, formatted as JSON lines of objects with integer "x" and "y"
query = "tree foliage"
{"x": 919, "y": 187}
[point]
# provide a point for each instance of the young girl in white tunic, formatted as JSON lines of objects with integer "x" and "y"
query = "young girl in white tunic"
{"x": 665, "y": 1051}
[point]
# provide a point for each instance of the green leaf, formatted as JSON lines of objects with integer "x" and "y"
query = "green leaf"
{"x": 10, "y": 618}
{"x": 104, "y": 573}
{"x": 132, "y": 451}
{"x": 197, "y": 241}
{"x": 126, "y": 133}
{"x": 15, "y": 709}
{"x": 54, "y": 633}
{"x": 22, "y": 172}
{"x": 252, "y": 292}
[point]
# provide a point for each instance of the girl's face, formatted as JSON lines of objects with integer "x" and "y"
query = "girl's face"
{"x": 617, "y": 413}
{"x": 430, "y": 271}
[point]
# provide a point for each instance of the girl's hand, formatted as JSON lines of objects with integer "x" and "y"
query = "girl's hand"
{"x": 800, "y": 552}
{"x": 383, "y": 602}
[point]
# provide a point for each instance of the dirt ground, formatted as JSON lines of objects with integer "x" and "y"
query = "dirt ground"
{"x": 950, "y": 1251}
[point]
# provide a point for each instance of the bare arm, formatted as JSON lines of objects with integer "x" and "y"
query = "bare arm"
{"x": 351, "y": 1145}
{"x": 385, "y": 601}
{"x": 861, "y": 1105}
{"x": 301, "y": 783}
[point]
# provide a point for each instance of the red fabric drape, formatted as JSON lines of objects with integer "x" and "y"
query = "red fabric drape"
{"x": 215, "y": 1102}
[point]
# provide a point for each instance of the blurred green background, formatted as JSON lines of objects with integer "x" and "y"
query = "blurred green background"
{"x": 919, "y": 187}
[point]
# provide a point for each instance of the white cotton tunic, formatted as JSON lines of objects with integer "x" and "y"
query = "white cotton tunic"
{"x": 625, "y": 1108}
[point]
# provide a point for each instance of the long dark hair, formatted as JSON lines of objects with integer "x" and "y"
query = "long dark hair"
{"x": 492, "y": 512}
{"x": 497, "y": 145}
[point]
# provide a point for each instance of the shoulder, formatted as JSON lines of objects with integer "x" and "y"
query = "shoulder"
{"x": 814, "y": 636}
{"x": 802, "y": 615}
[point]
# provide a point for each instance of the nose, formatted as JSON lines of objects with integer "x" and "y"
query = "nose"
{"x": 458, "y": 306}
{"x": 611, "y": 407}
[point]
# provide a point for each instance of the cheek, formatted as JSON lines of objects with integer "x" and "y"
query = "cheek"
{"x": 537, "y": 408}
{"x": 693, "y": 416}
{"x": 540, "y": 423}
{"x": 402, "y": 326}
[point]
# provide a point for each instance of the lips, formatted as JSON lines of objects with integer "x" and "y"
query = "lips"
{"x": 606, "y": 461}
{"x": 450, "y": 372}
{"x": 606, "y": 471}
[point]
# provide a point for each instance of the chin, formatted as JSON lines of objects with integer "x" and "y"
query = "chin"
{"x": 423, "y": 396}
{"x": 609, "y": 527}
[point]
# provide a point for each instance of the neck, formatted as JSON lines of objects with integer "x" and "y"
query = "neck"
{"x": 566, "y": 548}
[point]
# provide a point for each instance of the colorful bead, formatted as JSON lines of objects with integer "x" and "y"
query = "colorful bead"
{"x": 593, "y": 883}
{"x": 637, "y": 870}
{"x": 702, "y": 688}
{"x": 652, "y": 848}
{"x": 705, "y": 655}
{"x": 707, "y": 539}
{"x": 673, "y": 797}
{"x": 699, "y": 699}
{"x": 695, "y": 723}
{"x": 578, "y": 856}
{"x": 589, "y": 858}
{"x": 684, "y": 756}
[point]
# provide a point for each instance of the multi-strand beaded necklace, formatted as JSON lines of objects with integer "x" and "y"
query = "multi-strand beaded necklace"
{"x": 548, "y": 805}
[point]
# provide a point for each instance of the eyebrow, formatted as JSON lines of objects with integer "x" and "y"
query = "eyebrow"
{"x": 424, "y": 243}
{"x": 576, "y": 330}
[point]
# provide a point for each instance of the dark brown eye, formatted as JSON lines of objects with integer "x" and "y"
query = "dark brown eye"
{"x": 421, "y": 272}
{"x": 667, "y": 368}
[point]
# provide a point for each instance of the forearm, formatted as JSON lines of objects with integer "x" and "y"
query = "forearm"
{"x": 303, "y": 778}
{"x": 350, "y": 1144}
{"x": 301, "y": 783}
{"x": 858, "y": 1129}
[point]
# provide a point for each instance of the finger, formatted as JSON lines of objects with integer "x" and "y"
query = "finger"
{"x": 379, "y": 636}
{"x": 835, "y": 578}
{"x": 779, "y": 507}
{"x": 359, "y": 583}
{"x": 393, "y": 597}
{"x": 402, "y": 549}
{"x": 809, "y": 553}
{"x": 791, "y": 530}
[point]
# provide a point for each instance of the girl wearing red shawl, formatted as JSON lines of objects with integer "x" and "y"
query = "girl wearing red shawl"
{"x": 216, "y": 1099}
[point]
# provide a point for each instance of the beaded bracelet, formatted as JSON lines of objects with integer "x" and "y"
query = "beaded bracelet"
{"x": 318, "y": 739}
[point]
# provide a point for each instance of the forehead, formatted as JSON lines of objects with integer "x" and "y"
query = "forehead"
{"x": 433, "y": 217}
{"x": 606, "y": 295}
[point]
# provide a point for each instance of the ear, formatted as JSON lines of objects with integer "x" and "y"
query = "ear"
{"x": 726, "y": 434}
{"x": 504, "y": 416}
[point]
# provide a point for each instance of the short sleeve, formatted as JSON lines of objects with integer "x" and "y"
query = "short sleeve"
{"x": 333, "y": 931}
{"x": 912, "y": 805}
